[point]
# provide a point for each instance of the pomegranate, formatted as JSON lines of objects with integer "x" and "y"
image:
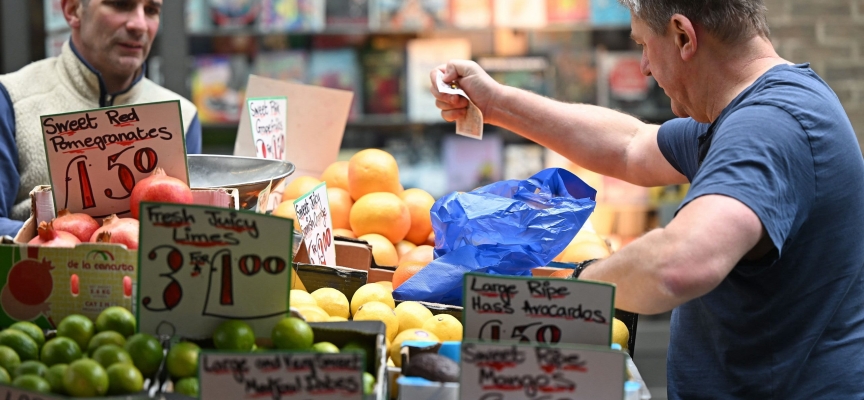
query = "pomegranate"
{"x": 117, "y": 230}
{"x": 50, "y": 237}
{"x": 30, "y": 281}
{"x": 79, "y": 224}
{"x": 159, "y": 188}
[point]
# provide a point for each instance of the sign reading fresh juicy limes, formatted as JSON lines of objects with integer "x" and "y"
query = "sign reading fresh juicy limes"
{"x": 281, "y": 375}
{"x": 313, "y": 213}
{"x": 537, "y": 310}
{"x": 268, "y": 116}
{"x": 96, "y": 156}
{"x": 497, "y": 371}
{"x": 201, "y": 265}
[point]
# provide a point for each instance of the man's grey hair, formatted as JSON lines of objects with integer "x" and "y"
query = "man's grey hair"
{"x": 731, "y": 21}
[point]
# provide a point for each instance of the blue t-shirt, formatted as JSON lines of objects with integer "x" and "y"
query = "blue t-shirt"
{"x": 791, "y": 325}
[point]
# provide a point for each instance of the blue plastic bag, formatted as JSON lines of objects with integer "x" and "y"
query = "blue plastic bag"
{"x": 505, "y": 228}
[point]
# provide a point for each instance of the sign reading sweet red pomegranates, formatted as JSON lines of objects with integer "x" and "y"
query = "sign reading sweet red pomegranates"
{"x": 95, "y": 157}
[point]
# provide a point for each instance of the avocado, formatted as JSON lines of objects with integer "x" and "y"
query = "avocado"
{"x": 433, "y": 367}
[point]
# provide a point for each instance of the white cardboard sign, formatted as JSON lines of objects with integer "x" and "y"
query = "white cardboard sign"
{"x": 537, "y": 310}
{"x": 497, "y": 371}
{"x": 268, "y": 121}
{"x": 313, "y": 213}
{"x": 199, "y": 266}
{"x": 275, "y": 375}
{"x": 95, "y": 157}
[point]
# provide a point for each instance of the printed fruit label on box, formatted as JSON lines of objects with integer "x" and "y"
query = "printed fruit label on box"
{"x": 45, "y": 284}
{"x": 202, "y": 265}
{"x": 537, "y": 310}
{"x": 281, "y": 375}
{"x": 498, "y": 371}
{"x": 96, "y": 156}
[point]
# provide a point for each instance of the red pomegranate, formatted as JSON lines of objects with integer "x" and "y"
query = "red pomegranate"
{"x": 117, "y": 230}
{"x": 49, "y": 237}
{"x": 30, "y": 281}
{"x": 79, "y": 224}
{"x": 159, "y": 188}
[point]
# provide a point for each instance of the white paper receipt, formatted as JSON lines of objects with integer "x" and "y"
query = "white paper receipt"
{"x": 470, "y": 126}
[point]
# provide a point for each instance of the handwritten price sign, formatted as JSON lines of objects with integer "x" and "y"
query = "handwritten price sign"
{"x": 281, "y": 375}
{"x": 313, "y": 213}
{"x": 537, "y": 310}
{"x": 508, "y": 371}
{"x": 268, "y": 116}
{"x": 201, "y": 265}
{"x": 96, "y": 156}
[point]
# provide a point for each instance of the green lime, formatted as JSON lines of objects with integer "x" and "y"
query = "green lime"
{"x": 325, "y": 347}
{"x": 354, "y": 346}
{"x": 60, "y": 350}
{"x": 33, "y": 383}
{"x": 54, "y": 376}
{"x": 32, "y": 330}
{"x": 117, "y": 319}
{"x": 146, "y": 352}
{"x": 111, "y": 354}
{"x": 103, "y": 338}
{"x": 124, "y": 379}
{"x": 78, "y": 328}
{"x": 4, "y": 376}
{"x": 187, "y": 386}
{"x": 9, "y": 359}
{"x": 368, "y": 383}
{"x": 182, "y": 360}
{"x": 292, "y": 334}
{"x": 23, "y": 344}
{"x": 85, "y": 378}
{"x": 234, "y": 335}
{"x": 31, "y": 367}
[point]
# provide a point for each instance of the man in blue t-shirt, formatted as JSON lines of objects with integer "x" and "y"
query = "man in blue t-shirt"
{"x": 763, "y": 262}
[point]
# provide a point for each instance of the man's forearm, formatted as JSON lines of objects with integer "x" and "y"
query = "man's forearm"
{"x": 593, "y": 137}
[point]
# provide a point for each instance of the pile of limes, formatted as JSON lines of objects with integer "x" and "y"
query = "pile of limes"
{"x": 85, "y": 359}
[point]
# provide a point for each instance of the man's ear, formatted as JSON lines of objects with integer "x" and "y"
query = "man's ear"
{"x": 684, "y": 34}
{"x": 72, "y": 12}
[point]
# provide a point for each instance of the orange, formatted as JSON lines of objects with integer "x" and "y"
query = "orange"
{"x": 299, "y": 186}
{"x": 382, "y": 213}
{"x": 582, "y": 251}
{"x": 285, "y": 209}
{"x": 404, "y": 247}
{"x": 562, "y": 273}
{"x": 430, "y": 240}
{"x": 383, "y": 251}
{"x": 371, "y": 171}
{"x": 340, "y": 207}
{"x": 406, "y": 270}
{"x": 419, "y": 203}
{"x": 336, "y": 175}
{"x": 347, "y": 233}
{"x": 422, "y": 253}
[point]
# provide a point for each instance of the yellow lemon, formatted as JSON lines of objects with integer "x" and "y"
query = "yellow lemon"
{"x": 387, "y": 285}
{"x": 313, "y": 313}
{"x": 332, "y": 301}
{"x": 410, "y": 334}
{"x": 620, "y": 333}
{"x": 371, "y": 292}
{"x": 378, "y": 311}
{"x": 445, "y": 326}
{"x": 299, "y": 298}
{"x": 411, "y": 315}
{"x": 336, "y": 319}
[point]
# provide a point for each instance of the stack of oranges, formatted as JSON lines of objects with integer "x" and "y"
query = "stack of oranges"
{"x": 367, "y": 202}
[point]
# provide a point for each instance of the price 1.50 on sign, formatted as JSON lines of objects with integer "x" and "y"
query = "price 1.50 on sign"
{"x": 96, "y": 156}
{"x": 202, "y": 265}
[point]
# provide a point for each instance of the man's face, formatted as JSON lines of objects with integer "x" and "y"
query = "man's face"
{"x": 661, "y": 59}
{"x": 117, "y": 34}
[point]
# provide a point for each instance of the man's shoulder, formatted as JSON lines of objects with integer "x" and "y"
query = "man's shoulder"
{"x": 25, "y": 81}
